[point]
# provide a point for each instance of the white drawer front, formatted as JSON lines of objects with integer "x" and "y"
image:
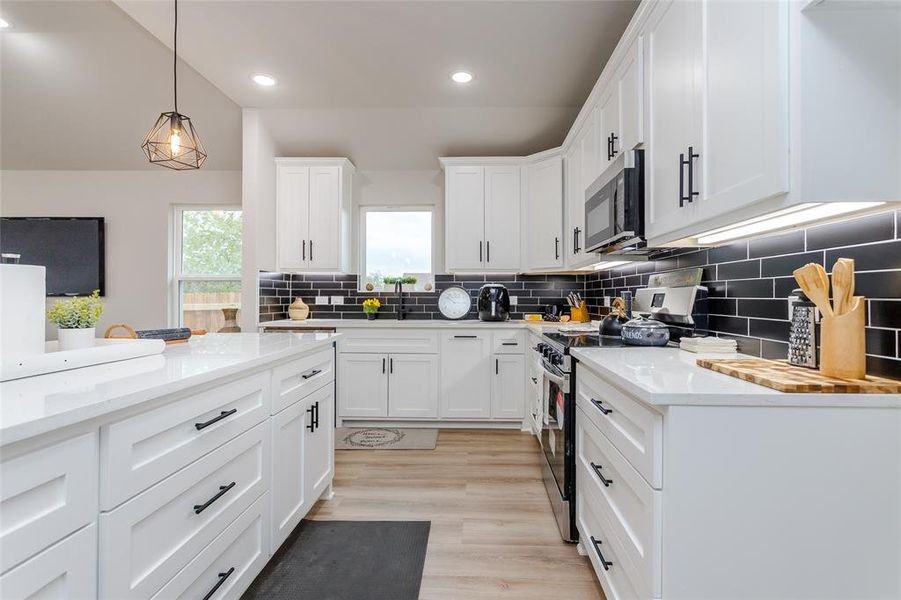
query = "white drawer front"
{"x": 45, "y": 495}
{"x": 147, "y": 540}
{"x": 145, "y": 449}
{"x": 296, "y": 379}
{"x": 65, "y": 571}
{"x": 386, "y": 341}
{"x": 630, "y": 505}
{"x": 508, "y": 342}
{"x": 635, "y": 429}
{"x": 597, "y": 542}
{"x": 230, "y": 563}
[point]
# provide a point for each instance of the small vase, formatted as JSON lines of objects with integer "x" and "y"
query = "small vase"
{"x": 76, "y": 339}
{"x": 231, "y": 323}
{"x": 372, "y": 316}
{"x": 298, "y": 311}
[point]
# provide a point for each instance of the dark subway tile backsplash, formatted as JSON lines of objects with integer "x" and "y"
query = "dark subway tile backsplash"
{"x": 748, "y": 284}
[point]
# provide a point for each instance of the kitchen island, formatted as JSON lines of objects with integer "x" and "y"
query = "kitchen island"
{"x": 694, "y": 484}
{"x": 168, "y": 475}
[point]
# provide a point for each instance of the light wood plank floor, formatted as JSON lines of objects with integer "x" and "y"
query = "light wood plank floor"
{"x": 493, "y": 533}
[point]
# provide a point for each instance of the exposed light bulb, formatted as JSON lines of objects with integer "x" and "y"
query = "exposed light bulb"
{"x": 175, "y": 142}
{"x": 462, "y": 77}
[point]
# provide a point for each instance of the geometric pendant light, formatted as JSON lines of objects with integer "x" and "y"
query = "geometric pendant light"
{"x": 172, "y": 141}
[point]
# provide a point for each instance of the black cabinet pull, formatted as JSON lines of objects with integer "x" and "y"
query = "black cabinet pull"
{"x": 311, "y": 249}
{"x": 600, "y": 407}
{"x": 311, "y": 421}
{"x": 510, "y": 344}
{"x": 312, "y": 373}
{"x": 222, "y": 578}
{"x": 480, "y": 251}
{"x": 316, "y": 414}
{"x": 534, "y": 380}
{"x": 383, "y": 366}
{"x": 391, "y": 365}
{"x": 304, "y": 249}
{"x": 497, "y": 366}
{"x": 556, "y": 248}
{"x": 465, "y": 337}
{"x": 199, "y": 508}
{"x": 488, "y": 251}
{"x": 597, "y": 471}
{"x": 576, "y": 232}
{"x": 691, "y": 171}
{"x": 223, "y": 415}
{"x": 613, "y": 138}
{"x": 597, "y": 548}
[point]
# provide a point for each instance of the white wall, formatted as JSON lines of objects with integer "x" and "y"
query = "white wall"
{"x": 136, "y": 206}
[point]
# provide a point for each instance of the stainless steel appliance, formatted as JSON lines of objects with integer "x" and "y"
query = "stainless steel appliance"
{"x": 802, "y": 333}
{"x": 614, "y": 207}
{"x": 493, "y": 302}
{"x": 680, "y": 307}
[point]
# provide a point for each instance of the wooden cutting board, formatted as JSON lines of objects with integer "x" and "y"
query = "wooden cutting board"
{"x": 780, "y": 375}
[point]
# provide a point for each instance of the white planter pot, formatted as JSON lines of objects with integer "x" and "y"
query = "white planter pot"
{"x": 75, "y": 339}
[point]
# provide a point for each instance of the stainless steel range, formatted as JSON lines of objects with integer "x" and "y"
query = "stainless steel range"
{"x": 677, "y": 306}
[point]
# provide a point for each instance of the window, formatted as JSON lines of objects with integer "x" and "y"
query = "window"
{"x": 396, "y": 242}
{"x": 206, "y": 266}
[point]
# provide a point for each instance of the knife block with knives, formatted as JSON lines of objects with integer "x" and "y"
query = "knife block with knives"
{"x": 843, "y": 345}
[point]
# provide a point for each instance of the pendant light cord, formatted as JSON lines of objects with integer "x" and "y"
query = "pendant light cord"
{"x": 175, "y": 59}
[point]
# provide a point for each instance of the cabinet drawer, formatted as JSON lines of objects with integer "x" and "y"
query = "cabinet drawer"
{"x": 46, "y": 494}
{"x": 630, "y": 506}
{"x": 597, "y": 542}
{"x": 635, "y": 429}
{"x": 147, "y": 540}
{"x": 146, "y": 448}
{"x": 296, "y": 379}
{"x": 508, "y": 342}
{"x": 385, "y": 341}
{"x": 229, "y": 564}
{"x": 65, "y": 571}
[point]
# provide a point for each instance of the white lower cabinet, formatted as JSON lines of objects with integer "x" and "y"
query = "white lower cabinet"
{"x": 68, "y": 569}
{"x": 150, "y": 538}
{"x": 363, "y": 386}
{"x": 413, "y": 386}
{"x": 319, "y": 445}
{"x": 508, "y": 386}
{"x": 466, "y": 375}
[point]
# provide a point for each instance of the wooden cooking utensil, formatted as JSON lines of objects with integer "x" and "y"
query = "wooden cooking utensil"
{"x": 813, "y": 280}
{"x": 842, "y": 285}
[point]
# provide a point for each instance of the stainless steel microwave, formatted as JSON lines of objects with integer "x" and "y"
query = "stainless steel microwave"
{"x": 614, "y": 207}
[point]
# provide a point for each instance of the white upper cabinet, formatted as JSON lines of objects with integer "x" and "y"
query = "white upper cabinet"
{"x": 313, "y": 199}
{"x": 674, "y": 54}
{"x": 630, "y": 81}
{"x": 609, "y": 127}
{"x": 745, "y": 118}
{"x": 482, "y": 217}
{"x": 543, "y": 243}
{"x": 574, "y": 203}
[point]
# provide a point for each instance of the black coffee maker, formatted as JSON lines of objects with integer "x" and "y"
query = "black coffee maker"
{"x": 493, "y": 302}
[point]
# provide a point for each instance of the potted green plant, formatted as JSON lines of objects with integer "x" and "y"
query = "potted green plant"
{"x": 76, "y": 319}
{"x": 371, "y": 307}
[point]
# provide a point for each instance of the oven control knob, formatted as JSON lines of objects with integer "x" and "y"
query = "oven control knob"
{"x": 540, "y": 347}
{"x": 557, "y": 359}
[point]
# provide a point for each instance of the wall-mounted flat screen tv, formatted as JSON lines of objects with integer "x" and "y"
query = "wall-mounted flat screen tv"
{"x": 71, "y": 248}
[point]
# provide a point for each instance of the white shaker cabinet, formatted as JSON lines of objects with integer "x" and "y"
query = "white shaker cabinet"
{"x": 482, "y": 215}
{"x": 313, "y": 198}
{"x": 363, "y": 388}
{"x": 508, "y": 386}
{"x": 319, "y": 444}
{"x": 630, "y": 84}
{"x": 466, "y": 375}
{"x": 674, "y": 138}
{"x": 66, "y": 570}
{"x": 413, "y": 386}
{"x": 543, "y": 243}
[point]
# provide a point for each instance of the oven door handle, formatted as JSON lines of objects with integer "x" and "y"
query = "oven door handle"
{"x": 561, "y": 381}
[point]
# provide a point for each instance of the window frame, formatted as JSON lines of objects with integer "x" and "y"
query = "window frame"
{"x": 364, "y": 210}
{"x": 176, "y": 277}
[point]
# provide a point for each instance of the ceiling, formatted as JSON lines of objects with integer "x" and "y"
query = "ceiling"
{"x": 81, "y": 81}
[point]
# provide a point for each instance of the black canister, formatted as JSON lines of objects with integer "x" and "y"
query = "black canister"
{"x": 493, "y": 302}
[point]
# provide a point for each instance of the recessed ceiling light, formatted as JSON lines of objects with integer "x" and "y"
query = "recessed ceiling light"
{"x": 461, "y": 76}
{"x": 264, "y": 80}
{"x": 4, "y": 24}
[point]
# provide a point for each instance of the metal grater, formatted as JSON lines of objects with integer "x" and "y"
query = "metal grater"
{"x": 802, "y": 335}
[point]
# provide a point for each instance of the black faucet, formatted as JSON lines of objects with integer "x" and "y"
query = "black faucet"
{"x": 399, "y": 290}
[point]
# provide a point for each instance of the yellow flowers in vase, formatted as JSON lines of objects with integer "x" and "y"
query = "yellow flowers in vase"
{"x": 371, "y": 307}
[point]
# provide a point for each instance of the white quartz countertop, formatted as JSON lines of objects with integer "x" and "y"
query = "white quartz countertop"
{"x": 391, "y": 323}
{"x": 662, "y": 376}
{"x": 37, "y": 405}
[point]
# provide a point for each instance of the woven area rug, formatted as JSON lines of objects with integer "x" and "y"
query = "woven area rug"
{"x": 385, "y": 438}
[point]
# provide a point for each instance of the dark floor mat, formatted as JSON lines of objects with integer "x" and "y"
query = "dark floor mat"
{"x": 346, "y": 560}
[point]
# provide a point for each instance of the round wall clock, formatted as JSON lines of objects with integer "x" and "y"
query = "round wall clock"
{"x": 454, "y": 303}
